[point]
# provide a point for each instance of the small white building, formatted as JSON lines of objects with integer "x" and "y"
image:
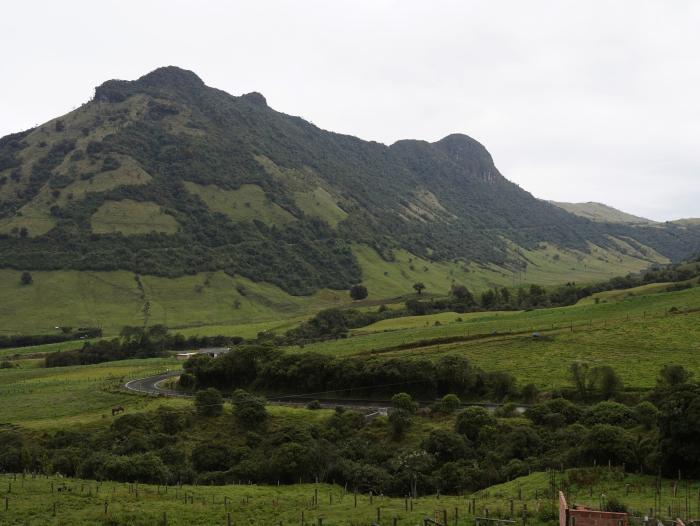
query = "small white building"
{"x": 213, "y": 352}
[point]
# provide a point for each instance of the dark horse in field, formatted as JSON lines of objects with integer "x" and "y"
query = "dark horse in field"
{"x": 117, "y": 409}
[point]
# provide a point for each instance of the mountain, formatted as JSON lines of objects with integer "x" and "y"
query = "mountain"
{"x": 601, "y": 212}
{"x": 689, "y": 221}
{"x": 166, "y": 176}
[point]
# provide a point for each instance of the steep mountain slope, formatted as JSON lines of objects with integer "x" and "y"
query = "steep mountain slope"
{"x": 166, "y": 176}
{"x": 602, "y": 212}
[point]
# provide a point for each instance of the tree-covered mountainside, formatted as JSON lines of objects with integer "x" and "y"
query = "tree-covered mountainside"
{"x": 166, "y": 176}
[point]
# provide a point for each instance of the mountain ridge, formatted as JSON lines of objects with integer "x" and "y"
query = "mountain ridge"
{"x": 167, "y": 176}
{"x": 602, "y": 213}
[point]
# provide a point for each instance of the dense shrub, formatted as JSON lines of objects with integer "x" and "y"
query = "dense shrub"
{"x": 611, "y": 413}
{"x": 209, "y": 402}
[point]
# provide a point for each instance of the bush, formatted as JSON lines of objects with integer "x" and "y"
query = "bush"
{"x": 186, "y": 381}
{"x": 209, "y": 402}
{"x": 358, "y": 292}
{"x": 613, "y": 504}
{"x": 109, "y": 164}
{"x": 248, "y": 410}
{"x": 508, "y": 410}
{"x": 554, "y": 413}
{"x": 399, "y": 422}
{"x": 529, "y": 393}
{"x": 611, "y": 413}
{"x": 450, "y": 403}
{"x": 446, "y": 445}
{"x": 211, "y": 457}
{"x": 646, "y": 414}
{"x": 472, "y": 421}
{"x": 404, "y": 402}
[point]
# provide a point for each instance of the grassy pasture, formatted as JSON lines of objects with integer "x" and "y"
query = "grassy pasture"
{"x": 132, "y": 217}
{"x": 617, "y": 295}
{"x": 32, "y": 501}
{"x": 548, "y": 265}
{"x": 113, "y": 299}
{"x": 637, "y": 350}
{"x": 36, "y": 397}
{"x": 636, "y": 335}
{"x": 245, "y": 204}
{"x": 16, "y": 352}
{"x": 207, "y": 302}
{"x": 321, "y": 204}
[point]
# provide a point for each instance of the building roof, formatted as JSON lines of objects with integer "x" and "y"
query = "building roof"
{"x": 213, "y": 350}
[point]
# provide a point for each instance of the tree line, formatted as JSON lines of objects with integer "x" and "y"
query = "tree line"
{"x": 266, "y": 369}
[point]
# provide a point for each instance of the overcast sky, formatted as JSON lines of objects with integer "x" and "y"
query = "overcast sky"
{"x": 576, "y": 101}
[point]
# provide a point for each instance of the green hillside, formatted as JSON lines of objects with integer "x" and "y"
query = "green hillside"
{"x": 636, "y": 335}
{"x": 218, "y": 303}
{"x": 165, "y": 176}
{"x": 601, "y": 212}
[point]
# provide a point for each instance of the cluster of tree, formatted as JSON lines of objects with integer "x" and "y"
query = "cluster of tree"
{"x": 265, "y": 369}
{"x": 135, "y": 342}
{"x": 67, "y": 334}
{"x": 335, "y": 323}
{"x": 591, "y": 382}
{"x": 461, "y": 299}
{"x": 460, "y": 450}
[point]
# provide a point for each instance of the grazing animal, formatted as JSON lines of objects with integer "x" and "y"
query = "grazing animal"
{"x": 117, "y": 409}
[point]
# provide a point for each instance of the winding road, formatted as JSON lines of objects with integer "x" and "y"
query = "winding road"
{"x": 151, "y": 386}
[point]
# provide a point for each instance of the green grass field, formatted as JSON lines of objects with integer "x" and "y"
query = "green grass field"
{"x": 132, "y": 217}
{"x": 40, "y": 398}
{"x": 548, "y": 266}
{"x": 319, "y": 203}
{"x": 207, "y": 302}
{"x": 636, "y": 335}
{"x": 26, "y": 352}
{"x": 54, "y": 500}
{"x": 112, "y": 300}
{"x": 245, "y": 204}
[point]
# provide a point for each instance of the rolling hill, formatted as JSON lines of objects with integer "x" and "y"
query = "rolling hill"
{"x": 167, "y": 177}
{"x": 603, "y": 213}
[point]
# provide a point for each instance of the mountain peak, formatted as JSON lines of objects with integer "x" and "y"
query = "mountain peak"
{"x": 255, "y": 98}
{"x": 171, "y": 77}
{"x": 168, "y": 78}
{"x": 459, "y": 144}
